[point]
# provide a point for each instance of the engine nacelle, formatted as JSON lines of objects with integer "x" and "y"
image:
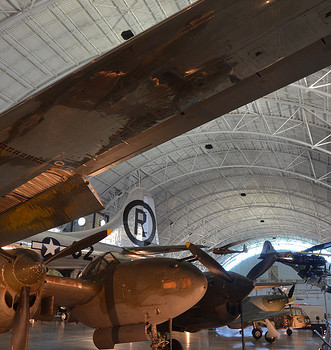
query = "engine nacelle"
{"x": 26, "y": 270}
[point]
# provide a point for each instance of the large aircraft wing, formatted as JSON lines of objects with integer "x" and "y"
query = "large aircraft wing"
{"x": 207, "y": 60}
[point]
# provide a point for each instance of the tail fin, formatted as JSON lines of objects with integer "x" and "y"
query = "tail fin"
{"x": 134, "y": 225}
{"x": 267, "y": 250}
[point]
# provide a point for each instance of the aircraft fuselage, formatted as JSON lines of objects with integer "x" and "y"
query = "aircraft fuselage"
{"x": 146, "y": 290}
{"x": 301, "y": 259}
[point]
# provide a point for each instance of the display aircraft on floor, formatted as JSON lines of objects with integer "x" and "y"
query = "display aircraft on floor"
{"x": 204, "y": 61}
{"x": 260, "y": 310}
{"x": 221, "y": 305}
{"x": 123, "y": 300}
{"x": 310, "y": 266}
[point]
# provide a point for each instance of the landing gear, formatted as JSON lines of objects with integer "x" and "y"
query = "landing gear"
{"x": 160, "y": 340}
{"x": 257, "y": 333}
{"x": 289, "y": 331}
{"x": 176, "y": 345}
{"x": 269, "y": 339}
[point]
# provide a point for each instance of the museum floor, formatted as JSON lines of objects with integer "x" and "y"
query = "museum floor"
{"x": 61, "y": 336}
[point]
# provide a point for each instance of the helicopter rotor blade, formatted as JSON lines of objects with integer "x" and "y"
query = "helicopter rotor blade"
{"x": 260, "y": 268}
{"x": 20, "y": 329}
{"x": 207, "y": 261}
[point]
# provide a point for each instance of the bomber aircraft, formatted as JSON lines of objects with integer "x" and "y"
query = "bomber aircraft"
{"x": 134, "y": 234}
{"x": 310, "y": 266}
{"x": 204, "y": 61}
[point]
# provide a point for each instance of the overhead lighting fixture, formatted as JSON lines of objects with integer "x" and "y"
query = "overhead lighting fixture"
{"x": 81, "y": 221}
{"x": 127, "y": 34}
{"x": 102, "y": 222}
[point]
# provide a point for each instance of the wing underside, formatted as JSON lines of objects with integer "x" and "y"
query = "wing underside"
{"x": 154, "y": 87}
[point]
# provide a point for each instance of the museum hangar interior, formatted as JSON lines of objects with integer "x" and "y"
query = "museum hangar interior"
{"x": 258, "y": 170}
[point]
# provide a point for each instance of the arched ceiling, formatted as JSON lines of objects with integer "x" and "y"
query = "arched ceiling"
{"x": 261, "y": 171}
{"x": 267, "y": 170}
{"x": 41, "y": 41}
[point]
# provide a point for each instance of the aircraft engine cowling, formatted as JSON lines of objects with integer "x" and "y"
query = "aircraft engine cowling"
{"x": 26, "y": 270}
{"x": 107, "y": 338}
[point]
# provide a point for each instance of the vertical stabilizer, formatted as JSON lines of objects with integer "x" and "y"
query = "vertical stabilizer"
{"x": 267, "y": 250}
{"x": 134, "y": 225}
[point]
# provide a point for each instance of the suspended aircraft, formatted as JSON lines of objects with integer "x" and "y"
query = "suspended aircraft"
{"x": 310, "y": 267}
{"x": 204, "y": 61}
{"x": 226, "y": 248}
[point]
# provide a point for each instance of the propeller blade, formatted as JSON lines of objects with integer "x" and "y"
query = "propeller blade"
{"x": 260, "y": 268}
{"x": 291, "y": 291}
{"x": 80, "y": 245}
{"x": 20, "y": 330}
{"x": 207, "y": 261}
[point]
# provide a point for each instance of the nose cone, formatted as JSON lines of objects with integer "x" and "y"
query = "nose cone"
{"x": 157, "y": 288}
{"x": 184, "y": 285}
{"x": 242, "y": 286}
{"x": 26, "y": 270}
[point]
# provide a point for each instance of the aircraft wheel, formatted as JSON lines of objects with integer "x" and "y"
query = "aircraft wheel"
{"x": 176, "y": 345}
{"x": 257, "y": 333}
{"x": 289, "y": 331}
{"x": 269, "y": 339}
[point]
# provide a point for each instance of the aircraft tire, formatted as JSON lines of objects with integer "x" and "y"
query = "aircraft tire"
{"x": 269, "y": 339}
{"x": 289, "y": 331}
{"x": 176, "y": 345}
{"x": 257, "y": 333}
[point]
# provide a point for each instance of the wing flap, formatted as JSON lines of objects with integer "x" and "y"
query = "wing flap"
{"x": 52, "y": 199}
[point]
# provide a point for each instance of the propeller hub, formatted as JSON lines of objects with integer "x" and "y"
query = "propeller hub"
{"x": 240, "y": 287}
{"x": 27, "y": 270}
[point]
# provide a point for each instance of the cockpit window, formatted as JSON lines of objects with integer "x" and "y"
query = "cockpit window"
{"x": 99, "y": 264}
